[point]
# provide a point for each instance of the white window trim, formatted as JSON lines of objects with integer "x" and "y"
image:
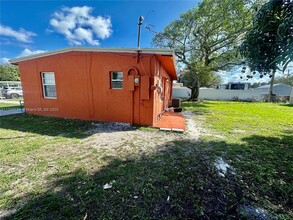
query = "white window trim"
{"x": 43, "y": 85}
{"x": 116, "y": 80}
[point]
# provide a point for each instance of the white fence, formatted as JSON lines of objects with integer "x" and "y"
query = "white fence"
{"x": 10, "y": 84}
{"x": 216, "y": 94}
{"x": 220, "y": 94}
{"x": 181, "y": 92}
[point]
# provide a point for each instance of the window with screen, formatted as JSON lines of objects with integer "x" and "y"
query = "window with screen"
{"x": 49, "y": 86}
{"x": 116, "y": 80}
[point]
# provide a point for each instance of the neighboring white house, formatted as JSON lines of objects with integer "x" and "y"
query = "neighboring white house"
{"x": 279, "y": 89}
{"x": 180, "y": 91}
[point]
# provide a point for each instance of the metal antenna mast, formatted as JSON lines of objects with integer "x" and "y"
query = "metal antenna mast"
{"x": 139, "y": 24}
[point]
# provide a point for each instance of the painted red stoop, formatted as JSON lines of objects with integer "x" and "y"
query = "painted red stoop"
{"x": 172, "y": 121}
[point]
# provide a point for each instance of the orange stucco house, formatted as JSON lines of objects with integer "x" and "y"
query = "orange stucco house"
{"x": 116, "y": 85}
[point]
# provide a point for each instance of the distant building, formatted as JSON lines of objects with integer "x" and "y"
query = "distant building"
{"x": 234, "y": 86}
{"x": 278, "y": 89}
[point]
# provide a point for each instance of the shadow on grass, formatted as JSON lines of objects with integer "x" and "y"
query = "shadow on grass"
{"x": 170, "y": 183}
{"x": 51, "y": 126}
{"x": 265, "y": 163}
{"x": 178, "y": 181}
{"x": 195, "y": 104}
{"x": 287, "y": 105}
{"x": 198, "y": 108}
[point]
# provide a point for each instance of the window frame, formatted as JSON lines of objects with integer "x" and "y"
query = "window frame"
{"x": 116, "y": 80}
{"x": 46, "y": 84}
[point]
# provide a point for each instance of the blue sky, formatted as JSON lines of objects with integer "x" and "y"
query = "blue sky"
{"x": 29, "y": 27}
{"x": 34, "y": 26}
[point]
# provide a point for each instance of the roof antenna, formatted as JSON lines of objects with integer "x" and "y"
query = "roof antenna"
{"x": 139, "y": 24}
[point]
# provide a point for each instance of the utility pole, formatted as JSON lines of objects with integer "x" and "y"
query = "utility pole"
{"x": 138, "y": 37}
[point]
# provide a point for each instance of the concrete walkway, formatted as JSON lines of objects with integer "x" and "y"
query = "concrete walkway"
{"x": 11, "y": 112}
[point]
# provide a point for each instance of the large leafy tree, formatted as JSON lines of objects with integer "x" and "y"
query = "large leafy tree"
{"x": 269, "y": 43}
{"x": 206, "y": 38}
{"x": 285, "y": 80}
{"x": 9, "y": 73}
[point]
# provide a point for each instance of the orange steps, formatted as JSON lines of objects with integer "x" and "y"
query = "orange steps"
{"x": 172, "y": 121}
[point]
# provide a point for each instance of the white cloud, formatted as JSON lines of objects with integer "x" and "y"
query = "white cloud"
{"x": 24, "y": 53}
{"x": 79, "y": 26}
{"x": 20, "y": 35}
{"x": 28, "y": 52}
{"x": 4, "y": 60}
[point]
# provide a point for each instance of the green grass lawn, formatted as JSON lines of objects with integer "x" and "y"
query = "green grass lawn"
{"x": 56, "y": 168}
{"x": 257, "y": 140}
{"x": 16, "y": 99}
{"x": 7, "y": 106}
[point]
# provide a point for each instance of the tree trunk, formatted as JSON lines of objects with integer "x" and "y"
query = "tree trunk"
{"x": 195, "y": 89}
{"x": 270, "y": 98}
{"x": 291, "y": 97}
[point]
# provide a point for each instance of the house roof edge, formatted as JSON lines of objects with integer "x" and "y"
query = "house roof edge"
{"x": 159, "y": 51}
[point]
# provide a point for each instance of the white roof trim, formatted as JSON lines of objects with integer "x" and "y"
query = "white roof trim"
{"x": 169, "y": 52}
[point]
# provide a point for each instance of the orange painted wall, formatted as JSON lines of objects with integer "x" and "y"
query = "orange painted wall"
{"x": 83, "y": 87}
{"x": 162, "y": 95}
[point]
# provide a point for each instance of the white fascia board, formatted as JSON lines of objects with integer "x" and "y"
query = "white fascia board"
{"x": 168, "y": 52}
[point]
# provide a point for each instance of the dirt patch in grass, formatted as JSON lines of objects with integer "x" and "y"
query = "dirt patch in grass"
{"x": 41, "y": 158}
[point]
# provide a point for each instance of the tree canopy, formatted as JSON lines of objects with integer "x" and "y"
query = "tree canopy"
{"x": 206, "y": 38}
{"x": 288, "y": 80}
{"x": 269, "y": 43}
{"x": 9, "y": 73}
